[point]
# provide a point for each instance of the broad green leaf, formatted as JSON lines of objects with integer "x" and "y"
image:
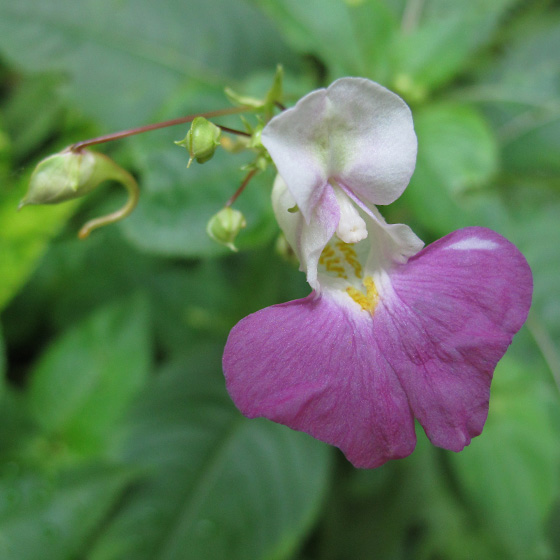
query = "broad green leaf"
{"x": 24, "y": 236}
{"x": 457, "y": 156}
{"x": 190, "y": 300}
{"x": 16, "y": 426}
{"x": 350, "y": 38}
{"x": 53, "y": 517}
{"x": 2, "y": 360}
{"x": 510, "y": 473}
{"x": 522, "y": 94}
{"x": 533, "y": 225}
{"x": 217, "y": 485}
{"x": 438, "y": 40}
{"x": 122, "y": 60}
{"x": 34, "y": 113}
{"x": 85, "y": 381}
{"x": 405, "y": 509}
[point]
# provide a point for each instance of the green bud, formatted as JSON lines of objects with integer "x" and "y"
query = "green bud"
{"x": 201, "y": 140}
{"x": 72, "y": 174}
{"x": 67, "y": 175}
{"x": 224, "y": 226}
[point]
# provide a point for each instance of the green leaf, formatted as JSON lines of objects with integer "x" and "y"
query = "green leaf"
{"x": 510, "y": 472}
{"x": 457, "y": 156}
{"x": 24, "y": 237}
{"x": 2, "y": 360}
{"x": 85, "y": 381}
{"x": 34, "y": 112}
{"x": 522, "y": 94}
{"x": 405, "y": 509}
{"x": 54, "y": 517}
{"x": 217, "y": 485}
{"x": 533, "y": 224}
{"x": 123, "y": 60}
{"x": 363, "y": 30}
{"x": 16, "y": 426}
{"x": 438, "y": 38}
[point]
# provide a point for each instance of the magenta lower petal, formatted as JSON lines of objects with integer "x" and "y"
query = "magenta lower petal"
{"x": 356, "y": 380}
{"x": 455, "y": 308}
{"x": 315, "y": 366}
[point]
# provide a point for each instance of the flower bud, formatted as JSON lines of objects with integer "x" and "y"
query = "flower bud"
{"x": 224, "y": 226}
{"x": 201, "y": 140}
{"x": 67, "y": 175}
{"x": 72, "y": 174}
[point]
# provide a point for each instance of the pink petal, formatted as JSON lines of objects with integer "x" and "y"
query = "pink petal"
{"x": 453, "y": 312}
{"x": 444, "y": 320}
{"x": 315, "y": 366}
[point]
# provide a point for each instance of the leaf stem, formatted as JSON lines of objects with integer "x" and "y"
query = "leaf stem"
{"x": 78, "y": 146}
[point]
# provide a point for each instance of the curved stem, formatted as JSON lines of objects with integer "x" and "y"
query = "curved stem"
{"x": 147, "y": 128}
{"x": 128, "y": 181}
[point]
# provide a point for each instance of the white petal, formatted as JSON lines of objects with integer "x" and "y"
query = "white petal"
{"x": 373, "y": 136}
{"x": 297, "y": 142}
{"x": 356, "y": 133}
{"x": 307, "y": 239}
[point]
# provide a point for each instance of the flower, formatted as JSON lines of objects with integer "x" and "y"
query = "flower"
{"x": 391, "y": 332}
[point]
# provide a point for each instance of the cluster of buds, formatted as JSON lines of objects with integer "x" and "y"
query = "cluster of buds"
{"x": 76, "y": 171}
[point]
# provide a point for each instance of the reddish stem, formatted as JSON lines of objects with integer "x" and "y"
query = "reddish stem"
{"x": 236, "y": 194}
{"x": 233, "y": 130}
{"x": 146, "y": 128}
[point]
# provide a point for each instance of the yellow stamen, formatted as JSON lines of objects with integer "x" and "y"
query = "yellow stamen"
{"x": 350, "y": 257}
{"x": 367, "y": 301}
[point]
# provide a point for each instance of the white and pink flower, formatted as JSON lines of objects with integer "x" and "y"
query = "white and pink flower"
{"x": 391, "y": 332}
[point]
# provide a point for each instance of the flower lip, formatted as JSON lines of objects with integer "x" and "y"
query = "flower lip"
{"x": 355, "y": 133}
{"x": 427, "y": 350}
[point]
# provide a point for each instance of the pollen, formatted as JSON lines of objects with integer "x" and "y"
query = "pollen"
{"x": 350, "y": 256}
{"x": 367, "y": 301}
{"x": 332, "y": 262}
{"x": 340, "y": 259}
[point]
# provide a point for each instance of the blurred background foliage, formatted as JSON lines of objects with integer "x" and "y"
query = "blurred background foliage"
{"x": 117, "y": 437}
